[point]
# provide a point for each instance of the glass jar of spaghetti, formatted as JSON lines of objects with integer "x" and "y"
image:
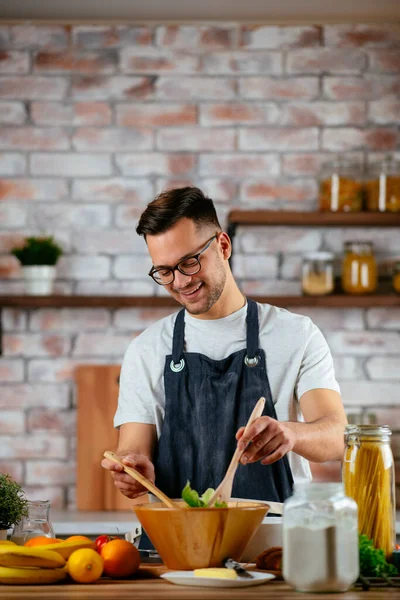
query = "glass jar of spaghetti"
{"x": 368, "y": 476}
{"x": 359, "y": 272}
{"x": 382, "y": 188}
{"x": 340, "y": 188}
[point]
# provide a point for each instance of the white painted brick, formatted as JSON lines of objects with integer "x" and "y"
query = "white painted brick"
{"x": 384, "y": 318}
{"x": 11, "y": 422}
{"x": 260, "y": 191}
{"x": 54, "y": 494}
{"x": 113, "y": 87}
{"x": 291, "y": 266}
{"x": 14, "y": 319}
{"x": 30, "y": 395}
{"x": 35, "y": 344}
{"x": 14, "y": 62}
{"x": 12, "y": 215}
{"x": 50, "y": 472}
{"x": 84, "y": 267}
{"x": 39, "y": 36}
{"x": 239, "y": 113}
{"x": 236, "y": 165}
{"x": 143, "y": 59}
{"x": 145, "y": 164}
{"x": 243, "y": 62}
{"x": 278, "y": 239}
{"x": 97, "y": 344}
{"x": 279, "y": 37}
{"x": 306, "y": 61}
{"x": 132, "y": 267}
{"x": 348, "y": 319}
{"x": 117, "y": 288}
{"x": 36, "y": 445}
{"x": 75, "y": 216}
{"x": 369, "y": 393}
{"x": 127, "y": 216}
{"x": 59, "y": 370}
{"x": 71, "y": 498}
{"x": 348, "y": 367}
{"x": 69, "y": 319}
{"x": 34, "y": 189}
{"x": 70, "y": 164}
{"x": 12, "y": 163}
{"x": 111, "y": 36}
{"x": 196, "y": 139}
{"x": 364, "y": 343}
{"x": 95, "y": 139}
{"x": 119, "y": 189}
{"x": 14, "y": 468}
{"x": 42, "y": 420}
{"x": 11, "y": 370}
{"x": 220, "y": 190}
{"x": 33, "y": 88}
{"x": 195, "y": 88}
{"x": 109, "y": 241}
{"x": 384, "y": 367}
{"x": 278, "y": 139}
{"x": 12, "y": 113}
{"x": 386, "y": 240}
{"x": 197, "y": 38}
{"x": 251, "y": 265}
{"x": 138, "y": 319}
{"x": 270, "y": 287}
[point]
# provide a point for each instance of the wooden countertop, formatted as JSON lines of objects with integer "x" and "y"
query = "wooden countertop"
{"x": 147, "y": 585}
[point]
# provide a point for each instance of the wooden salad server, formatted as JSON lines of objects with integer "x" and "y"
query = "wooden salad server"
{"x": 141, "y": 479}
{"x": 224, "y": 490}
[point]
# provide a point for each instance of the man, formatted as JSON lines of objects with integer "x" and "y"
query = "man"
{"x": 190, "y": 381}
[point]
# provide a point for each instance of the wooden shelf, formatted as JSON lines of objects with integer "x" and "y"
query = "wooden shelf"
{"x": 333, "y": 301}
{"x": 313, "y": 219}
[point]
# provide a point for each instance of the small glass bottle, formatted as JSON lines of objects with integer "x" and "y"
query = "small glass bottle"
{"x": 317, "y": 274}
{"x": 37, "y": 523}
{"x": 396, "y": 276}
{"x": 368, "y": 476}
{"x": 340, "y": 188}
{"x": 359, "y": 271}
{"x": 320, "y": 538}
{"x": 382, "y": 188}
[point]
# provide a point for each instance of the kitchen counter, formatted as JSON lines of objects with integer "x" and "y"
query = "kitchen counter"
{"x": 147, "y": 585}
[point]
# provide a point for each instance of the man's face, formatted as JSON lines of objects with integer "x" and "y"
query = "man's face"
{"x": 198, "y": 292}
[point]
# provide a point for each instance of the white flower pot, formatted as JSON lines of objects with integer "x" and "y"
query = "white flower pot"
{"x": 3, "y": 534}
{"x": 39, "y": 280}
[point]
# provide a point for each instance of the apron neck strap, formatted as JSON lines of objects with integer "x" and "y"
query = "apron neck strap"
{"x": 178, "y": 340}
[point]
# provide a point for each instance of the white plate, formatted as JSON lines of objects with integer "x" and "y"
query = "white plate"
{"x": 188, "y": 578}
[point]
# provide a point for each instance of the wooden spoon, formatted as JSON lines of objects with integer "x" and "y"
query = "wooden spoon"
{"x": 224, "y": 490}
{"x": 141, "y": 479}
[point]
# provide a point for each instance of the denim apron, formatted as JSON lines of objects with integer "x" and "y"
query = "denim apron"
{"x": 206, "y": 401}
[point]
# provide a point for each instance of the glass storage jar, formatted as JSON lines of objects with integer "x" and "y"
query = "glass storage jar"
{"x": 396, "y": 276}
{"x": 368, "y": 476}
{"x": 317, "y": 274}
{"x": 37, "y": 523}
{"x": 320, "y": 538}
{"x": 359, "y": 271}
{"x": 340, "y": 188}
{"x": 382, "y": 188}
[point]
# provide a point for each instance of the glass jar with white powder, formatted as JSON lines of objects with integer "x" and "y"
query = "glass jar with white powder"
{"x": 320, "y": 538}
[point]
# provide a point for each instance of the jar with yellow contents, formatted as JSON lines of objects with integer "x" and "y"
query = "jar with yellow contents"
{"x": 340, "y": 188}
{"x": 382, "y": 188}
{"x": 396, "y": 276}
{"x": 359, "y": 271}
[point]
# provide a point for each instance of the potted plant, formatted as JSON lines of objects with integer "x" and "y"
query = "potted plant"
{"x": 13, "y": 504}
{"x": 38, "y": 257}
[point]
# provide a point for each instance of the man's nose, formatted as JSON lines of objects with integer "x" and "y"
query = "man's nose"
{"x": 181, "y": 281}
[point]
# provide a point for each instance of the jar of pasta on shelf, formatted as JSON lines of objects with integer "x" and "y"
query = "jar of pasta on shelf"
{"x": 396, "y": 276}
{"x": 318, "y": 274}
{"x": 368, "y": 477}
{"x": 382, "y": 188}
{"x": 359, "y": 270}
{"x": 340, "y": 188}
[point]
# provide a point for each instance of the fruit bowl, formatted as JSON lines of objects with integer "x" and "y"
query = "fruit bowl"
{"x": 195, "y": 538}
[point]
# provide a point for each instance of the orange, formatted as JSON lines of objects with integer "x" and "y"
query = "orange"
{"x": 41, "y": 540}
{"x": 85, "y": 565}
{"x": 78, "y": 538}
{"x": 121, "y": 558}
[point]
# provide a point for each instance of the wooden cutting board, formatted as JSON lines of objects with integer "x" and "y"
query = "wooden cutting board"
{"x": 97, "y": 395}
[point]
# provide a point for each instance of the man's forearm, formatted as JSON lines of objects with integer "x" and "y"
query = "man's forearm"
{"x": 319, "y": 440}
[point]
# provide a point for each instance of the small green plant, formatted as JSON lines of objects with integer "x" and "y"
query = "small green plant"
{"x": 38, "y": 251}
{"x": 13, "y": 503}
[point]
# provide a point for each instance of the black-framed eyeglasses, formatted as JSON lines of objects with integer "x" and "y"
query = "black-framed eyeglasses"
{"x": 188, "y": 266}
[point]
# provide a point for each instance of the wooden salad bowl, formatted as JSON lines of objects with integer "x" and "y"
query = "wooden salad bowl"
{"x": 195, "y": 538}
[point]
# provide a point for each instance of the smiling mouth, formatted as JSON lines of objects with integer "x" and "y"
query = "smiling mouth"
{"x": 192, "y": 292}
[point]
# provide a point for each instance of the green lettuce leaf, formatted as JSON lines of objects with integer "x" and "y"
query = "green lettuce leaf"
{"x": 192, "y": 498}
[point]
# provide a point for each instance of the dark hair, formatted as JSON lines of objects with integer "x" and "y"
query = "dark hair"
{"x": 170, "y": 206}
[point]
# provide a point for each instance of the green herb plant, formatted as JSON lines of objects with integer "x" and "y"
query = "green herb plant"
{"x": 372, "y": 560}
{"x": 13, "y": 503}
{"x": 192, "y": 498}
{"x": 38, "y": 251}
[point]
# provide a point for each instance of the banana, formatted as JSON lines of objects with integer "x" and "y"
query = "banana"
{"x": 65, "y": 549}
{"x": 15, "y": 575}
{"x": 7, "y": 543}
{"x": 20, "y": 556}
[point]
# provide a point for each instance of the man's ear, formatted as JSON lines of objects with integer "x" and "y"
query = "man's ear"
{"x": 225, "y": 245}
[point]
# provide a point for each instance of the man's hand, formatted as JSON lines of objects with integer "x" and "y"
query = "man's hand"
{"x": 270, "y": 440}
{"x": 124, "y": 482}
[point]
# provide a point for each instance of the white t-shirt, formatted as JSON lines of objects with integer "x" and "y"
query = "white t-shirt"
{"x": 297, "y": 359}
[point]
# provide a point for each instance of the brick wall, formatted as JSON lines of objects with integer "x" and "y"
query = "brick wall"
{"x": 96, "y": 120}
